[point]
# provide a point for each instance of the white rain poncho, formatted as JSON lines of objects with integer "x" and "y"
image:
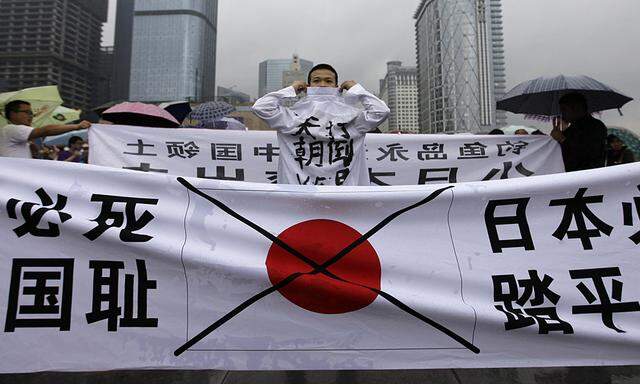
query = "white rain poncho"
{"x": 321, "y": 137}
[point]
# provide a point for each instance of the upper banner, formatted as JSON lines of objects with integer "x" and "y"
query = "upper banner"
{"x": 391, "y": 159}
{"x": 104, "y": 269}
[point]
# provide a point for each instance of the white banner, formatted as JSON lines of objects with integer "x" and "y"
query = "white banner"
{"x": 391, "y": 159}
{"x": 105, "y": 269}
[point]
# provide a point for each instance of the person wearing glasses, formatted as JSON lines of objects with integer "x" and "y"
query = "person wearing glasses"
{"x": 15, "y": 136}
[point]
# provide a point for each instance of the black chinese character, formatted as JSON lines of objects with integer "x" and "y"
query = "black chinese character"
{"x": 518, "y": 219}
{"x": 606, "y": 308}
{"x": 113, "y": 311}
{"x": 507, "y": 166}
{"x": 270, "y": 152}
{"x": 316, "y": 151}
{"x": 33, "y": 217}
{"x": 182, "y": 150}
{"x": 51, "y": 292}
{"x": 450, "y": 177}
{"x": 140, "y": 146}
{"x": 627, "y": 209}
{"x": 342, "y": 175}
{"x": 146, "y": 167}
{"x": 546, "y": 317}
{"x": 304, "y": 127}
{"x": 127, "y": 221}
{"x": 340, "y": 151}
{"x": 226, "y": 152}
{"x": 374, "y": 177}
{"x": 515, "y": 148}
{"x": 576, "y": 209}
{"x": 475, "y": 150}
{"x": 221, "y": 174}
{"x": 394, "y": 152}
{"x": 318, "y": 181}
{"x": 272, "y": 176}
{"x": 433, "y": 151}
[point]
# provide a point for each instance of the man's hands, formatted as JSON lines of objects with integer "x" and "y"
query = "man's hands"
{"x": 84, "y": 125}
{"x": 299, "y": 86}
{"x": 559, "y": 125}
{"x": 347, "y": 85}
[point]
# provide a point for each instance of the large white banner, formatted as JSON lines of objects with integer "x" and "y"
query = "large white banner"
{"x": 105, "y": 269}
{"x": 391, "y": 159}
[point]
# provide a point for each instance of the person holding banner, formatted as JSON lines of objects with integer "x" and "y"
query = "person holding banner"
{"x": 15, "y": 136}
{"x": 321, "y": 137}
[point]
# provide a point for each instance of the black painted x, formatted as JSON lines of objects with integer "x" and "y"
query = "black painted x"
{"x": 317, "y": 268}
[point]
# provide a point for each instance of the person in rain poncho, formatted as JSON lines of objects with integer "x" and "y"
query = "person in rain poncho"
{"x": 321, "y": 137}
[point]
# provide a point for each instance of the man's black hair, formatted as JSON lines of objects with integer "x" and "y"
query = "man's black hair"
{"x": 322, "y": 66}
{"x": 74, "y": 139}
{"x": 574, "y": 98}
{"x": 611, "y": 138}
{"x": 13, "y": 106}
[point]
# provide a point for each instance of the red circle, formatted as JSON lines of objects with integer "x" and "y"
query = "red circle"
{"x": 320, "y": 241}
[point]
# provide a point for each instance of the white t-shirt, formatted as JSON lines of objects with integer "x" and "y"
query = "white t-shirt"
{"x": 321, "y": 137}
{"x": 14, "y": 141}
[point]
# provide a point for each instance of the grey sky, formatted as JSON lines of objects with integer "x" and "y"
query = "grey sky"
{"x": 543, "y": 37}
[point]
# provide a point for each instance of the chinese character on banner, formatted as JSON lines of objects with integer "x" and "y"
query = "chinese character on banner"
{"x": 394, "y": 152}
{"x": 270, "y": 152}
{"x": 433, "y": 151}
{"x": 146, "y": 167}
{"x": 341, "y": 176}
{"x": 517, "y": 221}
{"x": 605, "y": 307}
{"x": 221, "y": 174}
{"x": 272, "y": 177}
{"x": 33, "y": 213}
{"x": 576, "y": 209}
{"x": 182, "y": 150}
{"x": 451, "y": 176}
{"x": 627, "y": 209}
{"x": 374, "y": 177}
{"x": 226, "y": 152}
{"x": 49, "y": 285}
{"x": 515, "y": 148}
{"x": 535, "y": 292}
{"x": 318, "y": 181}
{"x": 140, "y": 146}
{"x": 475, "y": 150}
{"x": 340, "y": 151}
{"x": 507, "y": 166}
{"x": 304, "y": 127}
{"x": 106, "y": 285}
{"x": 124, "y": 219}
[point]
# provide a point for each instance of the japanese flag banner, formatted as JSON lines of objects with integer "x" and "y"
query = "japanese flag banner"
{"x": 106, "y": 269}
{"x": 390, "y": 159}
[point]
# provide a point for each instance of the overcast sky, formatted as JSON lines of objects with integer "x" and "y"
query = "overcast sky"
{"x": 542, "y": 37}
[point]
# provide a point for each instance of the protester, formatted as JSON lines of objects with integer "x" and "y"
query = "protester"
{"x": 522, "y": 132}
{"x": 15, "y": 136}
{"x": 538, "y": 132}
{"x": 74, "y": 153}
{"x": 497, "y": 132}
{"x": 581, "y": 136}
{"x": 618, "y": 152}
{"x": 321, "y": 137}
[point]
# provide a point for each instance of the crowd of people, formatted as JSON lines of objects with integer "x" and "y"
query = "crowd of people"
{"x": 583, "y": 138}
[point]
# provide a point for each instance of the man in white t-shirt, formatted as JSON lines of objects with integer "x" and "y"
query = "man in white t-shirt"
{"x": 321, "y": 137}
{"x": 15, "y": 136}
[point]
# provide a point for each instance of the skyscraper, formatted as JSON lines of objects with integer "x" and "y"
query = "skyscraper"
{"x": 399, "y": 89}
{"x": 271, "y": 73}
{"x": 461, "y": 67}
{"x": 52, "y": 42}
{"x": 122, "y": 50}
{"x": 173, "y": 53}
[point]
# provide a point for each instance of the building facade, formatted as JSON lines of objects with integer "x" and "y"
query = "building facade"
{"x": 399, "y": 89}
{"x": 461, "y": 65}
{"x": 52, "y": 42}
{"x": 122, "y": 47}
{"x": 173, "y": 51}
{"x": 232, "y": 96}
{"x": 271, "y": 73}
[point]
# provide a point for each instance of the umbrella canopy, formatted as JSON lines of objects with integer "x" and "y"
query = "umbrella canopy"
{"x": 43, "y": 100}
{"x": 101, "y": 108}
{"x": 141, "y": 115}
{"x": 205, "y": 115}
{"x": 541, "y": 96}
{"x": 60, "y": 116}
{"x": 630, "y": 139}
{"x": 177, "y": 109}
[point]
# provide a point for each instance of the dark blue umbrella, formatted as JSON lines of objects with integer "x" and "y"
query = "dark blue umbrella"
{"x": 541, "y": 96}
{"x": 205, "y": 115}
{"x": 178, "y": 109}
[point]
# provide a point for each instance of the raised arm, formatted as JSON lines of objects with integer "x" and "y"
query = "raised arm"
{"x": 375, "y": 110}
{"x": 270, "y": 107}
{"x": 53, "y": 130}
